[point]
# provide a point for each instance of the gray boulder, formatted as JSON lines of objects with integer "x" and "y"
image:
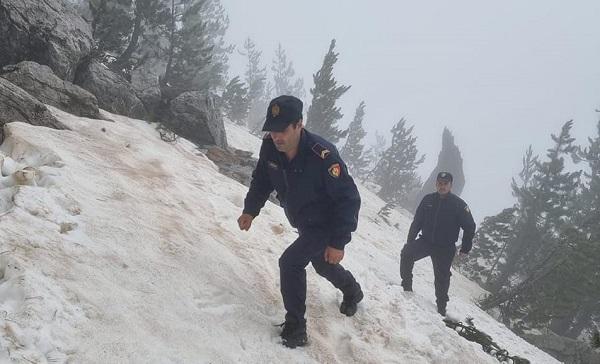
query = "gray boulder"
{"x": 113, "y": 92}
{"x": 17, "y": 105}
{"x": 144, "y": 80}
{"x": 234, "y": 163}
{"x": 194, "y": 116}
{"x": 49, "y": 32}
{"x": 39, "y": 81}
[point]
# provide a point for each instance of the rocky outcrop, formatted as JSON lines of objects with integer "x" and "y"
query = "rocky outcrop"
{"x": 234, "y": 163}
{"x": 449, "y": 160}
{"x": 194, "y": 116}
{"x": 49, "y": 32}
{"x": 40, "y": 82}
{"x": 114, "y": 93}
{"x": 144, "y": 80}
{"x": 17, "y": 105}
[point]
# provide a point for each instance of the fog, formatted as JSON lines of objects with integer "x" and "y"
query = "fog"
{"x": 499, "y": 75}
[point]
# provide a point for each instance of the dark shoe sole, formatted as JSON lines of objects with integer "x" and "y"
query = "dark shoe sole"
{"x": 349, "y": 309}
{"x": 295, "y": 343}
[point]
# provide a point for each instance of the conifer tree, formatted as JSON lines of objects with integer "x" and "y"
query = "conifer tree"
{"x": 495, "y": 233}
{"x": 352, "y": 152}
{"x": 587, "y": 248}
{"x": 189, "y": 52}
{"x": 541, "y": 259}
{"x": 323, "y": 114}
{"x": 119, "y": 26}
{"x": 111, "y": 26}
{"x": 215, "y": 24}
{"x": 373, "y": 155}
{"x": 256, "y": 82}
{"x": 235, "y": 100}
{"x": 396, "y": 170}
{"x": 284, "y": 82}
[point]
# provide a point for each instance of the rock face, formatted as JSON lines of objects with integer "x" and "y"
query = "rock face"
{"x": 194, "y": 116}
{"x": 48, "y": 32}
{"x": 449, "y": 160}
{"x": 234, "y": 163}
{"x": 114, "y": 93}
{"x": 145, "y": 82}
{"x": 40, "y": 82}
{"x": 17, "y": 105}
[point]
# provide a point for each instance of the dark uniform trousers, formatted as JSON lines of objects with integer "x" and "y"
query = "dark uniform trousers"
{"x": 441, "y": 257}
{"x": 309, "y": 247}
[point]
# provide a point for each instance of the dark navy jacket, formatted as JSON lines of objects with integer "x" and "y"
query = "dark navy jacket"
{"x": 314, "y": 188}
{"x": 440, "y": 219}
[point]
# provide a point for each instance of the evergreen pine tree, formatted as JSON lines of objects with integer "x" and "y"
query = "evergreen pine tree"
{"x": 485, "y": 263}
{"x": 449, "y": 160}
{"x": 586, "y": 253}
{"x": 118, "y": 28}
{"x": 189, "y": 52}
{"x": 352, "y": 152}
{"x": 539, "y": 283}
{"x": 111, "y": 26}
{"x": 525, "y": 223}
{"x": 256, "y": 79}
{"x": 235, "y": 100}
{"x": 283, "y": 76}
{"x": 396, "y": 170}
{"x": 373, "y": 154}
{"x": 590, "y": 196}
{"x": 149, "y": 20}
{"x": 323, "y": 114}
{"x": 215, "y": 24}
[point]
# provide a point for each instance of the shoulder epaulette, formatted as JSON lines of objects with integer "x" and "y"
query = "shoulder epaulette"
{"x": 321, "y": 151}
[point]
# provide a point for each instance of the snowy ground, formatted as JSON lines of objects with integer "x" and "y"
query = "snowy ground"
{"x": 116, "y": 247}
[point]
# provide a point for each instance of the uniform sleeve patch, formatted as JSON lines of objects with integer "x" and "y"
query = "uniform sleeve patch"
{"x": 335, "y": 170}
{"x": 321, "y": 151}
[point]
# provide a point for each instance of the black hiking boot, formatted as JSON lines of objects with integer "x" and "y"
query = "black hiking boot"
{"x": 350, "y": 302}
{"x": 407, "y": 286}
{"x": 293, "y": 334}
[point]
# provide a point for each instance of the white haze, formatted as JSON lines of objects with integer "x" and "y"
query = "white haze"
{"x": 121, "y": 248}
{"x": 500, "y": 75}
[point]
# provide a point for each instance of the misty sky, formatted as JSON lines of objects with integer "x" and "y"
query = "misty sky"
{"x": 500, "y": 75}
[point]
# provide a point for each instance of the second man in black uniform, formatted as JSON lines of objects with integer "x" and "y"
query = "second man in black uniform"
{"x": 439, "y": 217}
{"x": 319, "y": 198}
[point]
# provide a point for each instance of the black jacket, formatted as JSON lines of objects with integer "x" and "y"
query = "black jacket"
{"x": 314, "y": 188}
{"x": 440, "y": 219}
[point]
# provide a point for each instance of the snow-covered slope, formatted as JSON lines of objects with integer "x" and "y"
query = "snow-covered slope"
{"x": 122, "y": 248}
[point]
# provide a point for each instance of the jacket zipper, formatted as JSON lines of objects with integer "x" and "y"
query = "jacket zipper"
{"x": 437, "y": 211}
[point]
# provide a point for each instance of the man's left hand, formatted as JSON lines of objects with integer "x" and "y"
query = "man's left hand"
{"x": 333, "y": 255}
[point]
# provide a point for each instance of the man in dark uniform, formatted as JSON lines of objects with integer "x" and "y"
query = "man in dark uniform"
{"x": 439, "y": 217}
{"x": 319, "y": 198}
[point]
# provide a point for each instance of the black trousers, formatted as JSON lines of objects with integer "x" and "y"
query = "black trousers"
{"x": 441, "y": 257}
{"x": 309, "y": 247}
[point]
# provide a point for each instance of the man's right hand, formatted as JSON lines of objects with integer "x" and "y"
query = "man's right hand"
{"x": 245, "y": 221}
